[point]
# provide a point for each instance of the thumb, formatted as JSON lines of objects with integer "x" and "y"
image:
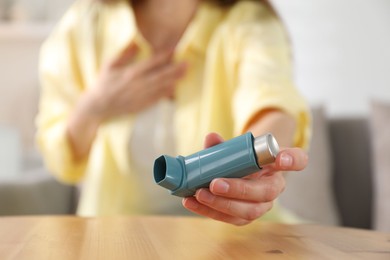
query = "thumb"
{"x": 212, "y": 139}
{"x": 126, "y": 56}
{"x": 291, "y": 159}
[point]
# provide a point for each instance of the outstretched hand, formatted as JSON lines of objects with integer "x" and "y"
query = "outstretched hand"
{"x": 240, "y": 201}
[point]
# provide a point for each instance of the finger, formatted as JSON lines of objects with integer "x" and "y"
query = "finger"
{"x": 212, "y": 139}
{"x": 194, "y": 206}
{"x": 162, "y": 83}
{"x": 126, "y": 56}
{"x": 264, "y": 189}
{"x": 165, "y": 75}
{"x": 240, "y": 209}
{"x": 291, "y": 159}
{"x": 154, "y": 62}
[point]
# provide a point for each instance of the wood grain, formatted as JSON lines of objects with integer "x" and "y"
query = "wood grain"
{"x": 69, "y": 237}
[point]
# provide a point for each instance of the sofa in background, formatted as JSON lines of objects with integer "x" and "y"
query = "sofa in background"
{"x": 36, "y": 193}
{"x": 336, "y": 187}
{"x": 347, "y": 181}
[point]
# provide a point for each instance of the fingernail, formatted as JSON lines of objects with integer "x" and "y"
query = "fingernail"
{"x": 189, "y": 203}
{"x": 286, "y": 160}
{"x": 220, "y": 186}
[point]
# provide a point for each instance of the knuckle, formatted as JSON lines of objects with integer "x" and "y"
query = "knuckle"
{"x": 274, "y": 188}
{"x": 130, "y": 75}
{"x": 153, "y": 79}
{"x": 160, "y": 75}
{"x": 253, "y": 213}
{"x": 242, "y": 190}
{"x": 227, "y": 205}
{"x": 271, "y": 192}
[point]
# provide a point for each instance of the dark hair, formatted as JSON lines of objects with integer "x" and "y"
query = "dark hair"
{"x": 218, "y": 2}
{"x": 227, "y": 2}
{"x": 222, "y": 3}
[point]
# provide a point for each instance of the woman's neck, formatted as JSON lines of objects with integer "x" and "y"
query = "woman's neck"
{"x": 163, "y": 22}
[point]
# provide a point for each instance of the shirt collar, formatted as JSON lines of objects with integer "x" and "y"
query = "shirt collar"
{"x": 200, "y": 29}
{"x": 121, "y": 25}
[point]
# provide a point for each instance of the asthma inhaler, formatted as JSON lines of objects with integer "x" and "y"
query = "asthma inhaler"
{"x": 235, "y": 158}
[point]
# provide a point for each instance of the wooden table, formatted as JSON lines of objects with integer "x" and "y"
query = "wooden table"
{"x": 67, "y": 237}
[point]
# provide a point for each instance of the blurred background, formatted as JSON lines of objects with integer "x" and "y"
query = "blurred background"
{"x": 342, "y": 64}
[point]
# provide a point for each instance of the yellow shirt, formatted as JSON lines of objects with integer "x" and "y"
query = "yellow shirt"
{"x": 239, "y": 63}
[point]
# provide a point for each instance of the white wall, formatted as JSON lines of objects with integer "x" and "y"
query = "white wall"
{"x": 27, "y": 23}
{"x": 342, "y": 51}
{"x": 33, "y": 10}
{"x": 19, "y": 49}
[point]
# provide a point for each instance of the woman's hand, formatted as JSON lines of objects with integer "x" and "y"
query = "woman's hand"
{"x": 125, "y": 86}
{"x": 239, "y": 201}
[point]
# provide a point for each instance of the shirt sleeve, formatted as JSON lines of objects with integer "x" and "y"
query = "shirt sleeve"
{"x": 265, "y": 76}
{"x": 61, "y": 85}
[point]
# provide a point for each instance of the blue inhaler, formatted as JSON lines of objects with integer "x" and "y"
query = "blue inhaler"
{"x": 235, "y": 158}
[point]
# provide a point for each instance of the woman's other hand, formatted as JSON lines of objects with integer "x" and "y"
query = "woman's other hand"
{"x": 125, "y": 86}
{"x": 240, "y": 201}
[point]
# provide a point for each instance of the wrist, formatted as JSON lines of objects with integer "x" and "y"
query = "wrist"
{"x": 85, "y": 118}
{"x": 91, "y": 108}
{"x": 82, "y": 127}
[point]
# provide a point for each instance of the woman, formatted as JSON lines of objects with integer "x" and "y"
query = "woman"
{"x": 125, "y": 81}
